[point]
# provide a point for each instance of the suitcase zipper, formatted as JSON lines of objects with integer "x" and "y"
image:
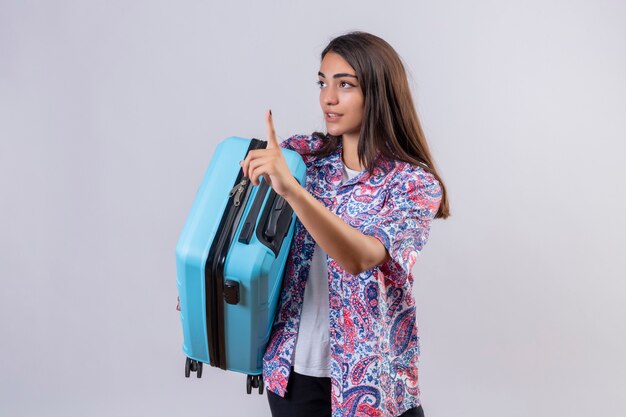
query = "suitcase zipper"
{"x": 238, "y": 190}
{"x": 214, "y": 270}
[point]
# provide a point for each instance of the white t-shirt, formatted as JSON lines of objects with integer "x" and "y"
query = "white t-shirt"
{"x": 312, "y": 350}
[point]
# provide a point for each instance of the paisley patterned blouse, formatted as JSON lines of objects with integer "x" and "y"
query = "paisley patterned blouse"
{"x": 374, "y": 343}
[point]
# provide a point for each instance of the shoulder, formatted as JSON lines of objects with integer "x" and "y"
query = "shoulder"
{"x": 416, "y": 185}
{"x": 303, "y": 144}
{"x": 413, "y": 176}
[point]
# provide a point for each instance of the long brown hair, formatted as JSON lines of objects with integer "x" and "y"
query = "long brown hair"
{"x": 390, "y": 123}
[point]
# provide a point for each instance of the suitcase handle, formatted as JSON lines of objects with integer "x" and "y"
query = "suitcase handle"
{"x": 272, "y": 222}
{"x": 250, "y": 222}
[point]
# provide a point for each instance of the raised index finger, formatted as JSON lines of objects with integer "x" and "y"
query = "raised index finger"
{"x": 272, "y": 142}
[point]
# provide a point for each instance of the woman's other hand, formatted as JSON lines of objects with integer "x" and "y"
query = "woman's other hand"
{"x": 271, "y": 164}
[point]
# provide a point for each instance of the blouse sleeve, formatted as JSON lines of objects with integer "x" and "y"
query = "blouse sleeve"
{"x": 403, "y": 224}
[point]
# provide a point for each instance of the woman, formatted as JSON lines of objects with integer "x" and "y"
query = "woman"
{"x": 344, "y": 341}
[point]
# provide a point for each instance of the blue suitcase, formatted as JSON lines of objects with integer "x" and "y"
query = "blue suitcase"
{"x": 230, "y": 260}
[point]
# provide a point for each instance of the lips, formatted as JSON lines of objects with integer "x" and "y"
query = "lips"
{"x": 332, "y": 117}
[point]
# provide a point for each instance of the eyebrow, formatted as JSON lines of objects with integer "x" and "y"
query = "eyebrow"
{"x": 341, "y": 74}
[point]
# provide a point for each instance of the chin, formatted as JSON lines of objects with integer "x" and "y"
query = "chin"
{"x": 334, "y": 131}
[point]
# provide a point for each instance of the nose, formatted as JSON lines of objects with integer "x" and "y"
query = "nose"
{"x": 329, "y": 96}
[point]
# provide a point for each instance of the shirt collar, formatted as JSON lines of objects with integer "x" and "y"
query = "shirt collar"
{"x": 382, "y": 167}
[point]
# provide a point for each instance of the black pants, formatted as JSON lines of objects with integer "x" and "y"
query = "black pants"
{"x": 309, "y": 396}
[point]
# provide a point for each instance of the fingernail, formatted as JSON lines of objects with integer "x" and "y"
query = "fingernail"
{"x": 270, "y": 112}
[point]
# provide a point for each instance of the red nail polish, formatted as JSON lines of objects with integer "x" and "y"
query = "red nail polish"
{"x": 270, "y": 112}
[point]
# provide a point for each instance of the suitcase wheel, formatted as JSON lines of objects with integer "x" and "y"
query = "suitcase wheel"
{"x": 254, "y": 381}
{"x": 193, "y": 366}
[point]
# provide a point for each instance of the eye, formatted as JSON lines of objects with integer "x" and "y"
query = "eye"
{"x": 320, "y": 83}
{"x": 345, "y": 84}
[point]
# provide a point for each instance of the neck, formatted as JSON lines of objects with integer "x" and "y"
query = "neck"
{"x": 350, "y": 154}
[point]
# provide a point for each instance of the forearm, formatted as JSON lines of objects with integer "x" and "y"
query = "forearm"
{"x": 353, "y": 250}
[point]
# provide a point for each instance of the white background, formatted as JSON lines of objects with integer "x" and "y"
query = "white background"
{"x": 110, "y": 112}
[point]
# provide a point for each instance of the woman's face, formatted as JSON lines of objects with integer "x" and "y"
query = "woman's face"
{"x": 341, "y": 98}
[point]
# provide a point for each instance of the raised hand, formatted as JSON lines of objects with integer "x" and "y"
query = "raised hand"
{"x": 270, "y": 163}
